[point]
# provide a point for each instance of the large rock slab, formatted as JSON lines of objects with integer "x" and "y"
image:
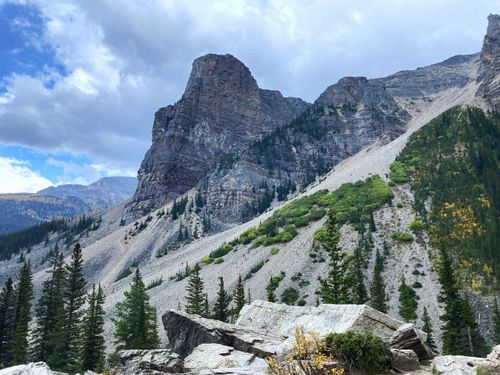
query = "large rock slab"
{"x": 33, "y": 368}
{"x": 157, "y": 361}
{"x": 185, "y": 332}
{"x": 408, "y": 337}
{"x": 217, "y": 357}
{"x": 405, "y": 360}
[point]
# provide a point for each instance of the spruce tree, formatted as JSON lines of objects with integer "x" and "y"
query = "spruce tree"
{"x": 407, "y": 302}
{"x": 93, "y": 348}
{"x": 239, "y": 296}
{"x": 195, "y": 298}
{"x": 360, "y": 295}
{"x": 427, "y": 328}
{"x": 206, "y": 313}
{"x": 271, "y": 297}
{"x": 24, "y": 295}
{"x": 496, "y": 322}
{"x": 135, "y": 321}
{"x": 74, "y": 298}
{"x": 377, "y": 290}
{"x": 336, "y": 286}
{"x": 7, "y": 322}
{"x": 49, "y": 312}
{"x": 221, "y": 307}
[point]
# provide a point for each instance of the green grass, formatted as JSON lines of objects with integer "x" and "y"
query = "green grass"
{"x": 402, "y": 236}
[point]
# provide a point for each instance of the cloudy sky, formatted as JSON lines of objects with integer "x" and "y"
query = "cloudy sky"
{"x": 81, "y": 80}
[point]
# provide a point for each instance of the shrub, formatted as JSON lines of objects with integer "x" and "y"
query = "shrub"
{"x": 398, "y": 172}
{"x": 207, "y": 259}
{"x": 402, "y": 236}
{"x": 254, "y": 270}
{"x": 221, "y": 250}
{"x": 301, "y": 302}
{"x": 290, "y": 296}
{"x": 363, "y": 351}
{"x": 417, "y": 225}
{"x": 218, "y": 260}
{"x": 275, "y": 251}
{"x": 417, "y": 285}
{"x": 154, "y": 283}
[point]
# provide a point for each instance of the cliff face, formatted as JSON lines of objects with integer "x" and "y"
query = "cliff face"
{"x": 242, "y": 147}
{"x": 221, "y": 112}
{"x": 489, "y": 68}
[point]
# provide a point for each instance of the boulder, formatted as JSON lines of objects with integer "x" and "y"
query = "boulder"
{"x": 33, "y": 368}
{"x": 278, "y": 319}
{"x": 405, "y": 360}
{"x": 157, "y": 361}
{"x": 457, "y": 364}
{"x": 408, "y": 337}
{"x": 215, "y": 357}
{"x": 185, "y": 332}
{"x": 492, "y": 362}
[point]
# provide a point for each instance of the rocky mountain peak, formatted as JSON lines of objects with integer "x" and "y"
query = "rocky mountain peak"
{"x": 225, "y": 73}
{"x": 489, "y": 68}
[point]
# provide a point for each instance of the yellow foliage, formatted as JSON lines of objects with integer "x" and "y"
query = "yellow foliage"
{"x": 463, "y": 220}
{"x": 309, "y": 357}
{"x": 483, "y": 199}
{"x": 476, "y": 283}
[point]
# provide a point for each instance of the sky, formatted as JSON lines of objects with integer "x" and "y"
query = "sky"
{"x": 80, "y": 80}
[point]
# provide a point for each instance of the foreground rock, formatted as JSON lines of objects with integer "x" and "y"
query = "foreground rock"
{"x": 159, "y": 361}
{"x": 216, "y": 356}
{"x": 278, "y": 319}
{"x": 185, "y": 332}
{"x": 34, "y": 368}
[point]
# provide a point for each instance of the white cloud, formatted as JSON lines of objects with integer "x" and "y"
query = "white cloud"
{"x": 17, "y": 177}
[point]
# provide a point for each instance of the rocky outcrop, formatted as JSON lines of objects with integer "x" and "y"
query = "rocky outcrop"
{"x": 405, "y": 360}
{"x": 33, "y": 368}
{"x": 185, "y": 332}
{"x": 149, "y": 362}
{"x": 489, "y": 68}
{"x": 408, "y": 337}
{"x": 216, "y": 356}
{"x": 221, "y": 112}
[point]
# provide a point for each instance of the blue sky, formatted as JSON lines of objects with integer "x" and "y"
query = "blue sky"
{"x": 80, "y": 80}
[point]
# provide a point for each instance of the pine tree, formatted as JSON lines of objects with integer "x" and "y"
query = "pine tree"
{"x": 74, "y": 298}
{"x": 271, "y": 297}
{"x": 407, "y": 301}
{"x": 239, "y": 296}
{"x": 195, "y": 295}
{"x": 377, "y": 289}
{"x": 221, "y": 307}
{"x": 427, "y": 328}
{"x": 496, "y": 322}
{"x": 49, "y": 312}
{"x": 335, "y": 288}
{"x": 93, "y": 348}
{"x": 24, "y": 295}
{"x": 7, "y": 321}
{"x": 359, "y": 292}
{"x": 135, "y": 321}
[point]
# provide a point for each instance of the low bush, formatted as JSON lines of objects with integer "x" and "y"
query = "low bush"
{"x": 275, "y": 251}
{"x": 402, "y": 236}
{"x": 290, "y": 296}
{"x": 417, "y": 225}
{"x": 362, "y": 351}
{"x": 398, "y": 173}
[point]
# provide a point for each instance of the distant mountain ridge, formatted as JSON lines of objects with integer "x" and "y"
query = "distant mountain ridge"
{"x": 22, "y": 210}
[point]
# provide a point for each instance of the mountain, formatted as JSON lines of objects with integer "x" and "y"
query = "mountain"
{"x": 240, "y": 180}
{"x": 21, "y": 211}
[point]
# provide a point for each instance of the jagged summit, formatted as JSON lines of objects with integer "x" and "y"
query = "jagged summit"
{"x": 489, "y": 68}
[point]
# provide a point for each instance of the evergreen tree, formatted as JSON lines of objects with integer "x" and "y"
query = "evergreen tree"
{"x": 49, "y": 312}
{"x": 407, "y": 302}
{"x": 476, "y": 346}
{"x": 7, "y": 321}
{"x": 135, "y": 322}
{"x": 335, "y": 288}
{"x": 74, "y": 298}
{"x": 271, "y": 297}
{"x": 496, "y": 322}
{"x": 93, "y": 348}
{"x": 24, "y": 295}
{"x": 427, "y": 328}
{"x": 359, "y": 292}
{"x": 221, "y": 307}
{"x": 206, "y": 313}
{"x": 195, "y": 295}
{"x": 239, "y": 296}
{"x": 377, "y": 289}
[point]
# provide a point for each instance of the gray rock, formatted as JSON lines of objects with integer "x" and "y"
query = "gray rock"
{"x": 33, "y": 368}
{"x": 457, "y": 365}
{"x": 158, "y": 361}
{"x": 489, "y": 68}
{"x": 405, "y": 360}
{"x": 408, "y": 337}
{"x": 185, "y": 332}
{"x": 216, "y": 356}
